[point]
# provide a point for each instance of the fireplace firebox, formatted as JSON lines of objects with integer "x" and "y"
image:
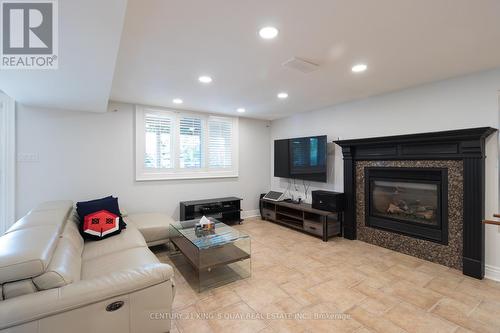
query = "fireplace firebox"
{"x": 409, "y": 201}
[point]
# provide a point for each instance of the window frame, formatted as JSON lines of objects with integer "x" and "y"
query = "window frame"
{"x": 145, "y": 174}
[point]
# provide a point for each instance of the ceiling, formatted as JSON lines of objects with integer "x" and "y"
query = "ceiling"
{"x": 89, "y": 38}
{"x": 166, "y": 45}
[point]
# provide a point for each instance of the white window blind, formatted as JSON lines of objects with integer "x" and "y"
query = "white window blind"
{"x": 190, "y": 142}
{"x": 220, "y": 136}
{"x": 158, "y": 150}
{"x": 172, "y": 144}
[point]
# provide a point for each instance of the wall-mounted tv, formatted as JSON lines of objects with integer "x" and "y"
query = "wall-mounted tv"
{"x": 301, "y": 158}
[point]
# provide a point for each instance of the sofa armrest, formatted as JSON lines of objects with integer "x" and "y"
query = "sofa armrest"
{"x": 30, "y": 307}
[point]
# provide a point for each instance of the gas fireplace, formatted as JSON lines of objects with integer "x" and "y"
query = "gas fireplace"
{"x": 419, "y": 194}
{"x": 410, "y": 201}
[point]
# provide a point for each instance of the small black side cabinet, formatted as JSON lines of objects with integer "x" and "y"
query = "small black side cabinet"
{"x": 226, "y": 210}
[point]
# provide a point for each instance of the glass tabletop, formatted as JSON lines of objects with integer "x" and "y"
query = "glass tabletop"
{"x": 222, "y": 234}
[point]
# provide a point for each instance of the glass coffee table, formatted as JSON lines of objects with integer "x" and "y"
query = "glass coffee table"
{"x": 208, "y": 259}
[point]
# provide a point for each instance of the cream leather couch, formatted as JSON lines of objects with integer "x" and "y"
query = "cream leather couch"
{"x": 52, "y": 281}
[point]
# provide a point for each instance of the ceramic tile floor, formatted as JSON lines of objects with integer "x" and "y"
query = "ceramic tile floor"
{"x": 301, "y": 284}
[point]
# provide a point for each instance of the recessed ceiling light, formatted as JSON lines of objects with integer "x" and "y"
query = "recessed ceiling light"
{"x": 268, "y": 32}
{"x": 358, "y": 68}
{"x": 282, "y": 95}
{"x": 205, "y": 79}
{"x": 240, "y": 110}
{"x": 177, "y": 101}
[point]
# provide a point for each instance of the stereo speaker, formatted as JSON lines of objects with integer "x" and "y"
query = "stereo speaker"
{"x": 328, "y": 200}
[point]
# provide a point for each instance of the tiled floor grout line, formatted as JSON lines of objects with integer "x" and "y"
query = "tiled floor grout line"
{"x": 358, "y": 268}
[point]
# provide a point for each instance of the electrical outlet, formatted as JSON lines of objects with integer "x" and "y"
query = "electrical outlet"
{"x": 28, "y": 157}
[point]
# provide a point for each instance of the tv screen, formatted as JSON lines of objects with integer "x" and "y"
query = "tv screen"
{"x": 301, "y": 158}
{"x": 308, "y": 158}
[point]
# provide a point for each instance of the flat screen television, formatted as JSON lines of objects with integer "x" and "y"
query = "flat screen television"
{"x": 301, "y": 158}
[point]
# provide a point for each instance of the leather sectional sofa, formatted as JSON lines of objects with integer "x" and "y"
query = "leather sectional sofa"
{"x": 52, "y": 281}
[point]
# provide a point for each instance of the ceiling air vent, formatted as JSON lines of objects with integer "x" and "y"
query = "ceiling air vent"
{"x": 301, "y": 65}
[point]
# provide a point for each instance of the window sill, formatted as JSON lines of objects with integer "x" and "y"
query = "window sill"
{"x": 183, "y": 176}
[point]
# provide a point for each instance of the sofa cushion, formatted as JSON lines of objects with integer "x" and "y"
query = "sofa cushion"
{"x": 127, "y": 239}
{"x": 26, "y": 253}
{"x": 55, "y": 217}
{"x": 72, "y": 234}
{"x": 64, "y": 268}
{"x": 51, "y": 205}
{"x": 18, "y": 288}
{"x": 153, "y": 226}
{"x": 117, "y": 261}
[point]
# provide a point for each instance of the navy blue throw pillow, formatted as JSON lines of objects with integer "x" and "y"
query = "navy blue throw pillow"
{"x": 100, "y": 218}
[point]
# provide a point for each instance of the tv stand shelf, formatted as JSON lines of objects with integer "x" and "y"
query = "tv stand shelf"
{"x": 226, "y": 210}
{"x": 290, "y": 215}
{"x": 303, "y": 217}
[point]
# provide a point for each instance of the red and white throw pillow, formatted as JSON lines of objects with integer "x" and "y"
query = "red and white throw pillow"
{"x": 100, "y": 218}
{"x": 101, "y": 223}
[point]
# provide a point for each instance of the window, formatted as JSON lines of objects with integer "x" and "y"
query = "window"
{"x": 172, "y": 144}
{"x": 220, "y": 133}
{"x": 158, "y": 146}
{"x": 190, "y": 143}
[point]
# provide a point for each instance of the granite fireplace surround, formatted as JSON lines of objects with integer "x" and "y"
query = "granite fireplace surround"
{"x": 462, "y": 154}
{"x": 449, "y": 255}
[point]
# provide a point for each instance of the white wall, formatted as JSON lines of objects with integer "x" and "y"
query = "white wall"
{"x": 7, "y": 158}
{"x": 85, "y": 155}
{"x": 465, "y": 102}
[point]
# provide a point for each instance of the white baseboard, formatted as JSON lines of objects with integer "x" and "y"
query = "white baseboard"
{"x": 250, "y": 213}
{"x": 492, "y": 272}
